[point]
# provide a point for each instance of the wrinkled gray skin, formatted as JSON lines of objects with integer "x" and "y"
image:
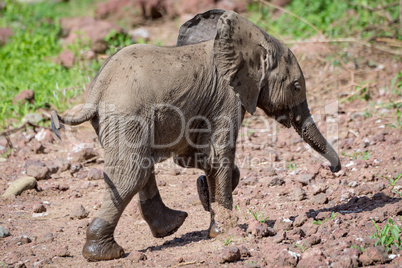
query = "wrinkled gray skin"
{"x": 236, "y": 69}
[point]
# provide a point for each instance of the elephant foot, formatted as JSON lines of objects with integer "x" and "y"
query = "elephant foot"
{"x": 222, "y": 220}
{"x": 162, "y": 220}
{"x": 100, "y": 244}
{"x": 203, "y": 193}
{"x": 214, "y": 230}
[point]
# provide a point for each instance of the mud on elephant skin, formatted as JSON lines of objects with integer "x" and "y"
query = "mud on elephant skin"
{"x": 223, "y": 66}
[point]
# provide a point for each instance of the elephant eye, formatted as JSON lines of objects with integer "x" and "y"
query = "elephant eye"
{"x": 296, "y": 86}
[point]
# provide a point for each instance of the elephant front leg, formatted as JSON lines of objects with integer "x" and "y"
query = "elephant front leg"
{"x": 221, "y": 183}
{"x": 203, "y": 189}
{"x": 162, "y": 220}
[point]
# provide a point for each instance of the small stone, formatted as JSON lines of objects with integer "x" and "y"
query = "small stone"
{"x": 95, "y": 174}
{"x": 79, "y": 212}
{"x": 84, "y": 154}
{"x": 32, "y": 118}
{"x": 4, "y": 232}
{"x": 47, "y": 238}
{"x": 37, "y": 172}
{"x": 230, "y": 254}
{"x": 275, "y": 181}
{"x": 373, "y": 255}
{"x": 21, "y": 240}
{"x": 320, "y": 199}
{"x": 174, "y": 172}
{"x": 20, "y": 185}
{"x": 279, "y": 237}
{"x": 62, "y": 164}
{"x": 319, "y": 188}
{"x": 44, "y": 135}
{"x": 286, "y": 259}
{"x": 283, "y": 224}
{"x": 62, "y": 251}
{"x": 323, "y": 215}
{"x": 52, "y": 167}
{"x": 300, "y": 220}
{"x": 99, "y": 46}
{"x": 253, "y": 180}
{"x": 136, "y": 257}
{"x": 260, "y": 230}
{"x": 313, "y": 257}
{"x": 304, "y": 179}
{"x": 244, "y": 252}
{"x": 67, "y": 58}
{"x": 75, "y": 168}
{"x": 352, "y": 184}
{"x": 5, "y": 33}
{"x": 298, "y": 194}
{"x": 39, "y": 208}
{"x": 24, "y": 96}
{"x": 312, "y": 240}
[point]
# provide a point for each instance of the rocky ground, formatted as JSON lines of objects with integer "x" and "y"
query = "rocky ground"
{"x": 292, "y": 211}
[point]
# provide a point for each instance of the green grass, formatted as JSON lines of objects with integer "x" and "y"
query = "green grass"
{"x": 387, "y": 236}
{"x": 27, "y": 59}
{"x": 359, "y": 248}
{"x": 302, "y": 248}
{"x": 392, "y": 182}
{"x": 227, "y": 241}
{"x": 333, "y": 18}
{"x": 291, "y": 166}
{"x": 257, "y": 217}
{"x": 362, "y": 155}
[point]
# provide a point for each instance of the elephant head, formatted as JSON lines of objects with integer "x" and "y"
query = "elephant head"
{"x": 261, "y": 70}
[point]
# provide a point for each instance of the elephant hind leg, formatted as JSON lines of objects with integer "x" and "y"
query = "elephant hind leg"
{"x": 162, "y": 220}
{"x": 100, "y": 243}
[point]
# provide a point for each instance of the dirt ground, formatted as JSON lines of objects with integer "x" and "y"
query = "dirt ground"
{"x": 310, "y": 217}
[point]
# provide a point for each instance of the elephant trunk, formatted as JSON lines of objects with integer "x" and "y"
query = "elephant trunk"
{"x": 302, "y": 121}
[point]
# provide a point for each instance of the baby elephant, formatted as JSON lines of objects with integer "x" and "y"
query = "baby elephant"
{"x": 150, "y": 103}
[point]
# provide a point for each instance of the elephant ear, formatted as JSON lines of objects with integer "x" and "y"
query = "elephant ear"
{"x": 244, "y": 54}
{"x": 200, "y": 28}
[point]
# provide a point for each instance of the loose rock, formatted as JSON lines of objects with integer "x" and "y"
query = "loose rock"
{"x": 260, "y": 230}
{"x": 84, "y": 154}
{"x": 62, "y": 251}
{"x": 287, "y": 259}
{"x": 95, "y": 174}
{"x": 21, "y": 240}
{"x": 79, "y": 212}
{"x": 373, "y": 255}
{"x": 136, "y": 257}
{"x": 283, "y": 224}
{"x": 320, "y": 199}
{"x": 298, "y": 194}
{"x": 20, "y": 185}
{"x": 4, "y": 232}
{"x": 230, "y": 254}
{"x": 37, "y": 172}
{"x": 39, "y": 208}
{"x": 24, "y": 96}
{"x": 300, "y": 220}
{"x": 275, "y": 181}
{"x": 304, "y": 179}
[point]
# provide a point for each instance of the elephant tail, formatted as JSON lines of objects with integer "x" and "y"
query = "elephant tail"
{"x": 86, "y": 112}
